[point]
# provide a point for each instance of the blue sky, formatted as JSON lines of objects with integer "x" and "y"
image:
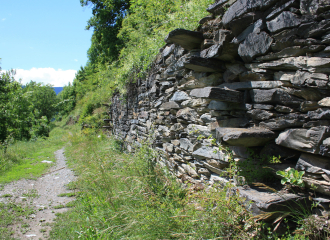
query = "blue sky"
{"x": 44, "y": 40}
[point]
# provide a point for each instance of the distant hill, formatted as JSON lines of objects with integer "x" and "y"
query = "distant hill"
{"x": 58, "y": 89}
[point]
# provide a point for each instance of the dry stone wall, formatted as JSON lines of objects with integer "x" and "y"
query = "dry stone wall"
{"x": 254, "y": 75}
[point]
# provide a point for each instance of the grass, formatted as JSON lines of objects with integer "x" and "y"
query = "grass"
{"x": 11, "y": 213}
{"x": 70, "y": 194}
{"x": 130, "y": 197}
{"x": 23, "y": 159}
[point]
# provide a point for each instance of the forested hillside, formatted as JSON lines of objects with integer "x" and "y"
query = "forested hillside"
{"x": 127, "y": 36}
{"x": 25, "y": 111}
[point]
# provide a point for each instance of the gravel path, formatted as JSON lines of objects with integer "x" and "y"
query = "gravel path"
{"x": 48, "y": 187}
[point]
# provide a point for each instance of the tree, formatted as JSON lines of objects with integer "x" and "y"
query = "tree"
{"x": 106, "y": 23}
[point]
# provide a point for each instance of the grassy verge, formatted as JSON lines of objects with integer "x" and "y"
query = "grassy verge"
{"x": 23, "y": 159}
{"x": 129, "y": 197}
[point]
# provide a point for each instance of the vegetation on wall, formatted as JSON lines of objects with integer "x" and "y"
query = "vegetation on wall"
{"x": 126, "y": 38}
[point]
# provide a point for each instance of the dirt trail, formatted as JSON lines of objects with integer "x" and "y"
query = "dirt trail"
{"x": 48, "y": 187}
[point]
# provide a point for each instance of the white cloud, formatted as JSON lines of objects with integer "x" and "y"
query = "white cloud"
{"x": 76, "y": 60}
{"x": 3, "y": 19}
{"x": 57, "y": 78}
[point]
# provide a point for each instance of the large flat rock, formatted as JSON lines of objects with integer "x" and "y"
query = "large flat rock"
{"x": 305, "y": 140}
{"x": 260, "y": 201}
{"x": 222, "y": 94}
{"x": 187, "y": 39}
{"x": 246, "y": 137}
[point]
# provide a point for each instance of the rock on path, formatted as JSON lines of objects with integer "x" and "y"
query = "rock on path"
{"x": 48, "y": 187}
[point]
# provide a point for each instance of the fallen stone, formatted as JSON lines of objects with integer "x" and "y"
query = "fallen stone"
{"x": 187, "y": 39}
{"x": 200, "y": 64}
{"x": 222, "y": 94}
{"x": 285, "y": 20}
{"x": 252, "y": 85}
{"x": 254, "y": 45}
{"x": 305, "y": 140}
{"x": 246, "y": 137}
{"x": 186, "y": 144}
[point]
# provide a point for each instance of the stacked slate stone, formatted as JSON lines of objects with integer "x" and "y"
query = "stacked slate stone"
{"x": 254, "y": 75}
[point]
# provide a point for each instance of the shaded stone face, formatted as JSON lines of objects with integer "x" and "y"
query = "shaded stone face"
{"x": 255, "y": 74}
{"x": 187, "y": 39}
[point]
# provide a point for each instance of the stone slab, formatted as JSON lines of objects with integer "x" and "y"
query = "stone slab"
{"x": 226, "y": 95}
{"x": 305, "y": 140}
{"x": 246, "y": 137}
